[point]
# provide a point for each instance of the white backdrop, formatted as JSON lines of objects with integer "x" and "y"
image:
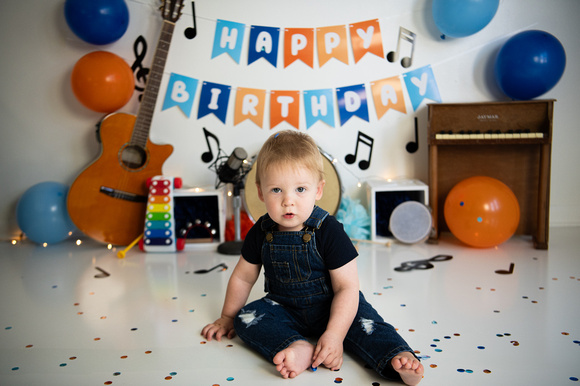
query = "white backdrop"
{"x": 47, "y": 135}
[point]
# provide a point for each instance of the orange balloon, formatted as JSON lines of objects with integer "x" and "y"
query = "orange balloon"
{"x": 482, "y": 212}
{"x": 102, "y": 81}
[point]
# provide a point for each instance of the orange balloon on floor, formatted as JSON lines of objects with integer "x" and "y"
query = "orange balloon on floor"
{"x": 482, "y": 212}
{"x": 102, "y": 81}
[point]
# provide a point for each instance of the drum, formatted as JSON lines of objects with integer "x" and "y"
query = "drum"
{"x": 330, "y": 200}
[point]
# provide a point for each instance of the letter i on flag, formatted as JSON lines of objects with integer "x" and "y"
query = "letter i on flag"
{"x": 250, "y": 105}
{"x": 421, "y": 84}
{"x": 228, "y": 38}
{"x": 180, "y": 92}
{"x": 285, "y": 106}
{"x": 214, "y": 99}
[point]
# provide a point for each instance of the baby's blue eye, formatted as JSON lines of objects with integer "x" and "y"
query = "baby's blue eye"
{"x": 301, "y": 190}
{"x": 276, "y": 190}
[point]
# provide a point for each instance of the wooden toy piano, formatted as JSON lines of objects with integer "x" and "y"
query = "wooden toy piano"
{"x": 509, "y": 141}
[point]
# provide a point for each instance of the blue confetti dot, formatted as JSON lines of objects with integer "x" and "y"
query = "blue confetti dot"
{"x": 173, "y": 373}
{"x": 117, "y": 373}
{"x": 62, "y": 365}
{"x": 574, "y": 379}
{"x": 174, "y": 321}
{"x": 134, "y": 329}
{"x": 479, "y": 219}
{"x": 461, "y": 203}
{"x": 469, "y": 371}
{"x": 229, "y": 379}
{"x": 8, "y": 328}
{"x": 481, "y": 347}
{"x": 15, "y": 368}
{"x": 436, "y": 340}
{"x": 438, "y": 350}
{"x": 460, "y": 370}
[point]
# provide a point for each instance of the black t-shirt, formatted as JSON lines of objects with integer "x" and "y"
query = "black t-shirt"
{"x": 332, "y": 243}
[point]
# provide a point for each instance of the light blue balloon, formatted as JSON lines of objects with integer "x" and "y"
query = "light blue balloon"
{"x": 42, "y": 214}
{"x": 460, "y": 18}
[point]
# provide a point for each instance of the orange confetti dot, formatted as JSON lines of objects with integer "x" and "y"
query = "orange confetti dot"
{"x": 565, "y": 333}
{"x": 203, "y": 342}
{"x": 72, "y": 358}
{"x": 433, "y": 366}
{"x": 97, "y": 339}
{"x": 124, "y": 357}
{"x": 103, "y": 317}
{"x": 108, "y": 383}
{"x": 168, "y": 378}
{"x": 80, "y": 313}
{"x": 148, "y": 352}
{"x": 487, "y": 371}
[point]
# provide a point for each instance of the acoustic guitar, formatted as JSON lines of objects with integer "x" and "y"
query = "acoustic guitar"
{"x": 107, "y": 201}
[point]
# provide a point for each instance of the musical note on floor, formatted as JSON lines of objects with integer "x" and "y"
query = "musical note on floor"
{"x": 191, "y": 32}
{"x": 103, "y": 274}
{"x": 504, "y": 272}
{"x": 408, "y": 36}
{"x": 413, "y": 146}
{"x": 422, "y": 264}
{"x": 208, "y": 155}
{"x": 366, "y": 140}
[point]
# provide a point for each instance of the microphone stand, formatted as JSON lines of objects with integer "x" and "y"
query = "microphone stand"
{"x": 234, "y": 247}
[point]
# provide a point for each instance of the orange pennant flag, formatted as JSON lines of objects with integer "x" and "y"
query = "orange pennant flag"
{"x": 284, "y": 106}
{"x": 388, "y": 94}
{"x": 332, "y": 43}
{"x": 366, "y": 37}
{"x": 250, "y": 103}
{"x": 299, "y": 45}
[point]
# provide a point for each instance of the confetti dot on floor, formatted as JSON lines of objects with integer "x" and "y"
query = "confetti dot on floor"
{"x": 116, "y": 373}
{"x": 72, "y": 358}
{"x": 574, "y": 379}
{"x": 97, "y": 339}
{"x": 468, "y": 371}
{"x": 433, "y": 366}
{"x": 173, "y": 373}
{"x": 168, "y": 378}
{"x": 8, "y": 328}
{"x": 124, "y": 356}
{"x": 103, "y": 317}
{"x": 174, "y": 321}
{"x": 481, "y": 347}
{"x": 148, "y": 352}
{"x": 486, "y": 371}
{"x": 338, "y": 380}
{"x": 565, "y": 333}
{"x": 229, "y": 379}
{"x": 108, "y": 383}
{"x": 29, "y": 346}
{"x": 434, "y": 322}
{"x": 15, "y": 368}
{"x": 134, "y": 329}
{"x": 230, "y": 345}
{"x": 515, "y": 342}
{"x": 460, "y": 370}
{"x": 54, "y": 286}
{"x": 438, "y": 350}
{"x": 403, "y": 305}
{"x": 203, "y": 342}
{"x": 456, "y": 334}
{"x": 62, "y": 365}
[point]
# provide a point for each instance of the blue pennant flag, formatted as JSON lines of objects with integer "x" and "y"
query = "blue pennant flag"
{"x": 228, "y": 38}
{"x": 352, "y": 100}
{"x": 264, "y": 44}
{"x": 319, "y": 105}
{"x": 180, "y": 92}
{"x": 421, "y": 84}
{"x": 214, "y": 99}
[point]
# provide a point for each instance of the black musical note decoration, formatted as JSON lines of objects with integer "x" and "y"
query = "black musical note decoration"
{"x": 140, "y": 50}
{"x": 191, "y": 32}
{"x": 408, "y": 36}
{"x": 422, "y": 264}
{"x": 351, "y": 158}
{"x": 504, "y": 272}
{"x": 413, "y": 146}
{"x": 208, "y": 155}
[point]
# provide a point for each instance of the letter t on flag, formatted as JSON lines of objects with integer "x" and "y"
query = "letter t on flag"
{"x": 285, "y": 106}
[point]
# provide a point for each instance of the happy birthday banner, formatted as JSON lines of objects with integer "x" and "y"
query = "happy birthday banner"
{"x": 299, "y": 43}
{"x": 318, "y": 105}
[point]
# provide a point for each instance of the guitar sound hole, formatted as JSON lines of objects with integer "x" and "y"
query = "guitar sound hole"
{"x": 133, "y": 157}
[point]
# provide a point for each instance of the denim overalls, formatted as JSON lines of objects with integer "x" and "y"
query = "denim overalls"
{"x": 299, "y": 299}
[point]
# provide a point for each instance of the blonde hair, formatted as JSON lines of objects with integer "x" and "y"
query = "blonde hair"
{"x": 289, "y": 148}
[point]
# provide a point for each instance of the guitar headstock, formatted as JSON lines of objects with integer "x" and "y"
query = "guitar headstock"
{"x": 171, "y": 10}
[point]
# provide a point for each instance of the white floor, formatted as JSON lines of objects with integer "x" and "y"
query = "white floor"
{"x": 63, "y": 321}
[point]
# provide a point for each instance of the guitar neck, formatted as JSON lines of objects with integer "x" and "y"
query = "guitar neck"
{"x": 147, "y": 107}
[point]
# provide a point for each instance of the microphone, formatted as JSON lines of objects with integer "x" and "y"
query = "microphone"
{"x": 228, "y": 171}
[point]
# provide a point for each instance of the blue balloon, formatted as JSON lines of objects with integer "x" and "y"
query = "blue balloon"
{"x": 460, "y": 18}
{"x": 97, "y": 21}
{"x": 529, "y": 64}
{"x": 42, "y": 214}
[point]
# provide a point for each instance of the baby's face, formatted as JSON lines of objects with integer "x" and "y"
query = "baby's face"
{"x": 290, "y": 193}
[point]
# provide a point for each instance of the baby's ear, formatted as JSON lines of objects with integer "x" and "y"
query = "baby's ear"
{"x": 320, "y": 189}
{"x": 260, "y": 195}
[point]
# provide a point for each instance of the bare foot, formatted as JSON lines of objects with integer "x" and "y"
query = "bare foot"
{"x": 294, "y": 359}
{"x": 408, "y": 367}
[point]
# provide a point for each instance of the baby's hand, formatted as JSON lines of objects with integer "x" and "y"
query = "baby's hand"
{"x": 224, "y": 326}
{"x": 328, "y": 352}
